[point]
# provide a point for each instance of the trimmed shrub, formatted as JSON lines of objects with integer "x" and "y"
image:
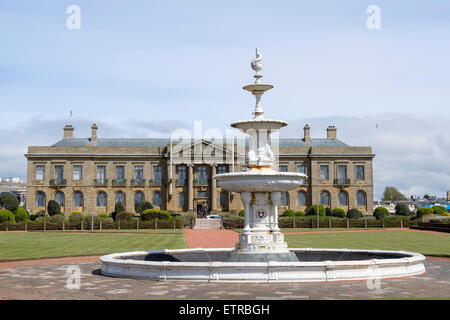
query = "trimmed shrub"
{"x": 53, "y": 208}
{"x": 141, "y": 207}
{"x": 338, "y": 212}
{"x": 119, "y": 208}
{"x": 299, "y": 214}
{"x": 124, "y": 216}
{"x": 241, "y": 213}
{"x": 88, "y": 220}
{"x": 312, "y": 211}
{"x": 402, "y": 209}
{"x": 164, "y": 215}
{"x": 354, "y": 214}
{"x": 21, "y": 214}
{"x": 288, "y": 213}
{"x": 108, "y": 220}
{"x": 7, "y": 216}
{"x": 439, "y": 210}
{"x": 380, "y": 213}
{"x": 328, "y": 212}
{"x": 9, "y": 202}
{"x": 103, "y": 216}
{"x": 149, "y": 214}
{"x": 75, "y": 217}
{"x": 57, "y": 218}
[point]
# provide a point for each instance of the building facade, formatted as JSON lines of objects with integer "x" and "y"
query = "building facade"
{"x": 15, "y": 186}
{"x": 90, "y": 175}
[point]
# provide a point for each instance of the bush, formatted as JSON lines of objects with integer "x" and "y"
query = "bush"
{"x": 241, "y": 213}
{"x": 57, "y": 218}
{"x": 88, "y": 220}
{"x": 312, "y": 211}
{"x": 338, "y": 212}
{"x": 75, "y": 217}
{"x": 188, "y": 219}
{"x": 7, "y": 216}
{"x": 141, "y": 207}
{"x": 124, "y": 216}
{"x": 103, "y": 216}
{"x": 328, "y": 212}
{"x": 119, "y": 207}
{"x": 299, "y": 214}
{"x": 439, "y": 210}
{"x": 380, "y": 213}
{"x": 21, "y": 214}
{"x": 108, "y": 220}
{"x": 288, "y": 213}
{"x": 402, "y": 209}
{"x": 149, "y": 214}
{"x": 354, "y": 214}
{"x": 9, "y": 202}
{"x": 164, "y": 215}
{"x": 53, "y": 208}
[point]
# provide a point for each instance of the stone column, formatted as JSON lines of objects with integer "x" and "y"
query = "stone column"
{"x": 213, "y": 188}
{"x": 190, "y": 187}
{"x": 276, "y": 198}
{"x": 246, "y": 198}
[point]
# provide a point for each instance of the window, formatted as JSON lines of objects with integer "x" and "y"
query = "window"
{"x": 120, "y": 197}
{"x": 360, "y": 198}
{"x": 77, "y": 199}
{"x": 101, "y": 199}
{"x": 342, "y": 173}
{"x": 138, "y": 197}
{"x": 77, "y": 173}
{"x": 202, "y": 194}
{"x": 40, "y": 199}
{"x": 283, "y": 168}
{"x": 120, "y": 173}
{"x": 301, "y": 169}
{"x": 325, "y": 198}
{"x": 157, "y": 176}
{"x": 40, "y": 173}
{"x": 182, "y": 175}
{"x": 301, "y": 198}
{"x": 323, "y": 172}
{"x": 284, "y": 199}
{"x": 181, "y": 199}
{"x": 101, "y": 173}
{"x": 343, "y": 198}
{"x": 202, "y": 176}
{"x": 59, "y": 173}
{"x": 59, "y": 198}
{"x": 360, "y": 172}
{"x": 222, "y": 168}
{"x": 138, "y": 174}
{"x": 223, "y": 199}
{"x": 157, "y": 199}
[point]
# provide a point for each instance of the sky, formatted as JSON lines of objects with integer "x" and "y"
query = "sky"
{"x": 135, "y": 67}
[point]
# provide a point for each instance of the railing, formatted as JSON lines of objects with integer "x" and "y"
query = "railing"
{"x": 138, "y": 183}
{"x": 119, "y": 182}
{"x": 100, "y": 182}
{"x": 155, "y": 182}
{"x": 58, "y": 182}
{"x": 342, "y": 182}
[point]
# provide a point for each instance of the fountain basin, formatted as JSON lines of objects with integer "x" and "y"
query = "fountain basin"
{"x": 316, "y": 265}
{"x": 264, "y": 181}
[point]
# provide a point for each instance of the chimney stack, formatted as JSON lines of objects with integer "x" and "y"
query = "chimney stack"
{"x": 68, "y": 131}
{"x": 94, "y": 133}
{"x": 307, "y": 133}
{"x": 331, "y": 132}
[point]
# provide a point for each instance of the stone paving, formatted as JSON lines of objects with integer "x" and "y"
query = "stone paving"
{"x": 48, "y": 281}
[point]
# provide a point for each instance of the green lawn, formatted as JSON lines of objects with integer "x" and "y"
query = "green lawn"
{"x": 32, "y": 245}
{"x": 425, "y": 243}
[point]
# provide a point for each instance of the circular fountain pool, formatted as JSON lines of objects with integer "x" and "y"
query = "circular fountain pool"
{"x": 213, "y": 265}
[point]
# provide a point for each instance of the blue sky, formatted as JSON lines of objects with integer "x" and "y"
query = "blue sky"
{"x": 148, "y": 62}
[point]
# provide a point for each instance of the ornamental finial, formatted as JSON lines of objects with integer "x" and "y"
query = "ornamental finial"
{"x": 257, "y": 66}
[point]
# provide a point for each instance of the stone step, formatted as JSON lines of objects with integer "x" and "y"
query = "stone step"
{"x": 208, "y": 224}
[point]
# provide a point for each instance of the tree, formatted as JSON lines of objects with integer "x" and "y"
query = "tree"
{"x": 53, "y": 208}
{"x": 392, "y": 194}
{"x": 9, "y": 201}
{"x": 402, "y": 209}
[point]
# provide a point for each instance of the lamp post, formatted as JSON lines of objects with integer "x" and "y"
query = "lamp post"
{"x": 318, "y": 201}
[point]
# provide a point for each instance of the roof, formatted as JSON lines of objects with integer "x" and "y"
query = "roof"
{"x": 162, "y": 142}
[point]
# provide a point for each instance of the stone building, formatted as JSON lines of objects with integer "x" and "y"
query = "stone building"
{"x": 90, "y": 175}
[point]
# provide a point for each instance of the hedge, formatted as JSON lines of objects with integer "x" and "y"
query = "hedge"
{"x": 439, "y": 210}
{"x": 75, "y": 217}
{"x": 289, "y": 213}
{"x": 312, "y": 211}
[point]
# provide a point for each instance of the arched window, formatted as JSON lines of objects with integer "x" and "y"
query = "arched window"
{"x": 325, "y": 198}
{"x": 360, "y": 198}
{"x": 157, "y": 199}
{"x": 40, "y": 199}
{"x": 120, "y": 197}
{"x": 101, "y": 199}
{"x": 138, "y": 197}
{"x": 343, "y": 198}
{"x": 78, "y": 199}
{"x": 301, "y": 198}
{"x": 222, "y": 199}
{"x": 284, "y": 198}
{"x": 59, "y": 198}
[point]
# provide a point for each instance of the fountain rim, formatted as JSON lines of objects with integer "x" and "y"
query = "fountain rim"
{"x": 261, "y": 174}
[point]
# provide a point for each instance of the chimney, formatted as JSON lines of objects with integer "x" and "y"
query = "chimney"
{"x": 306, "y": 133}
{"x": 94, "y": 133}
{"x": 331, "y": 132}
{"x": 68, "y": 131}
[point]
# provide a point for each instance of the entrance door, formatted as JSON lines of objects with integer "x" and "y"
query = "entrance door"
{"x": 199, "y": 210}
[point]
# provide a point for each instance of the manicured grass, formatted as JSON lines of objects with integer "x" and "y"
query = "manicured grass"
{"x": 32, "y": 245}
{"x": 151, "y": 231}
{"x": 425, "y": 243}
{"x": 315, "y": 229}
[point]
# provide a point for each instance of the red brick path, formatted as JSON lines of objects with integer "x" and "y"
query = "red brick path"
{"x": 211, "y": 238}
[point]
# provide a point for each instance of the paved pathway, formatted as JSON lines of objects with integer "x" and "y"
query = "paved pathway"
{"x": 211, "y": 238}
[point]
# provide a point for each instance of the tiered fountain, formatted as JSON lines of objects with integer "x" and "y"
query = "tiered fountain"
{"x": 261, "y": 254}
